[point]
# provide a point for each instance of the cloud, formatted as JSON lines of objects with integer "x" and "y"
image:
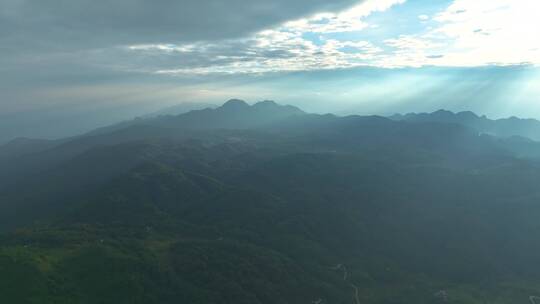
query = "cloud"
{"x": 88, "y": 35}
{"x": 259, "y": 36}
{"x": 59, "y": 43}
{"x": 464, "y": 33}
{"x": 61, "y": 38}
{"x": 96, "y": 24}
{"x": 282, "y": 48}
{"x": 77, "y": 55}
{"x": 104, "y": 53}
{"x": 268, "y": 51}
{"x": 475, "y": 33}
{"x": 182, "y": 37}
{"x": 481, "y": 32}
{"x": 349, "y": 20}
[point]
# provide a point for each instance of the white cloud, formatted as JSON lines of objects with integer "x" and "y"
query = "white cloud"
{"x": 491, "y": 31}
{"x": 475, "y": 33}
{"x": 285, "y": 48}
{"x": 466, "y": 33}
{"x": 411, "y": 42}
{"x": 347, "y": 21}
{"x": 169, "y": 48}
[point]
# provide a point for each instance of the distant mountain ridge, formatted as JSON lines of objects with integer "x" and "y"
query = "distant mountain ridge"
{"x": 506, "y": 127}
{"x": 267, "y": 115}
{"x": 233, "y": 114}
{"x": 180, "y": 108}
{"x": 22, "y": 145}
{"x": 263, "y": 204}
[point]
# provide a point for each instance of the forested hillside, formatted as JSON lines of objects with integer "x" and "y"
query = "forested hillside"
{"x": 268, "y": 204}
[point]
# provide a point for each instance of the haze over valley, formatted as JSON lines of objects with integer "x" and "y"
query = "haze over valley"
{"x": 263, "y": 152}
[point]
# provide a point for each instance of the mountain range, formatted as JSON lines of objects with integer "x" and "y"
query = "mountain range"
{"x": 266, "y": 203}
{"x": 507, "y": 127}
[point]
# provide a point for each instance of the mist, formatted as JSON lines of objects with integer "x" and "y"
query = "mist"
{"x": 498, "y": 92}
{"x": 263, "y": 152}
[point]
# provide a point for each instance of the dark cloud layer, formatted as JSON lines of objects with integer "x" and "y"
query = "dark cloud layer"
{"x": 73, "y": 23}
{"x": 57, "y": 44}
{"x": 65, "y": 66}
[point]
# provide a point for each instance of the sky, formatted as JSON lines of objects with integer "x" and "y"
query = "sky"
{"x": 67, "y": 66}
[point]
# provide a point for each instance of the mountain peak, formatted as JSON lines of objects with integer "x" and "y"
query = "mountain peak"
{"x": 506, "y": 127}
{"x": 468, "y": 115}
{"x": 266, "y": 103}
{"x": 235, "y": 104}
{"x": 442, "y": 112}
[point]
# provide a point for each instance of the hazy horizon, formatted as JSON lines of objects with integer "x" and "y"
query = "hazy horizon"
{"x": 82, "y": 66}
{"x": 29, "y": 126}
{"x": 182, "y": 151}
